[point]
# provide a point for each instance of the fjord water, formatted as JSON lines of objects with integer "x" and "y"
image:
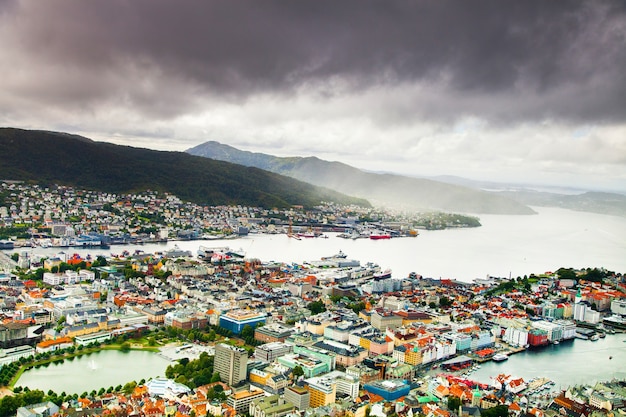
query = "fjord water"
{"x": 515, "y": 245}
{"x": 572, "y": 362}
{"x": 505, "y": 245}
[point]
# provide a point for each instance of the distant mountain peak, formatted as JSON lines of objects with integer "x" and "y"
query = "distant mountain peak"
{"x": 61, "y": 158}
{"x": 381, "y": 189}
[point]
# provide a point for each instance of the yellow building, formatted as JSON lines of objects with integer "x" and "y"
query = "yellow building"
{"x": 413, "y": 355}
{"x": 323, "y": 392}
{"x": 259, "y": 377}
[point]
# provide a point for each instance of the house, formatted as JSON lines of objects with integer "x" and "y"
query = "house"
{"x": 38, "y": 410}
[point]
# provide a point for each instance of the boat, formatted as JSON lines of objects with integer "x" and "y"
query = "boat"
{"x": 338, "y": 255}
{"x": 499, "y": 357}
{"x": 382, "y": 275}
{"x": 615, "y": 321}
{"x": 377, "y": 235}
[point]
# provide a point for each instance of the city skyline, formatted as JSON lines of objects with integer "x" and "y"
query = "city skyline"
{"x": 527, "y": 92}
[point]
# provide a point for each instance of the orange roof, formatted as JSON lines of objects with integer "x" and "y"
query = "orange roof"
{"x": 53, "y": 342}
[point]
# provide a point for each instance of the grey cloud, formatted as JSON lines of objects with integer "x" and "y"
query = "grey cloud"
{"x": 543, "y": 59}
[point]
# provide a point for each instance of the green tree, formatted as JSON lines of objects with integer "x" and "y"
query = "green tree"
{"x": 316, "y": 307}
{"x": 454, "y": 403}
{"x": 247, "y": 331}
{"x": 297, "y": 371}
{"x": 10, "y": 404}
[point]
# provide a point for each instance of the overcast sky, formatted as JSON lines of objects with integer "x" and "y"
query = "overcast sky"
{"x": 531, "y": 91}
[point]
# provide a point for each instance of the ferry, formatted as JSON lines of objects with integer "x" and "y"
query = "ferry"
{"x": 499, "y": 357}
{"x": 339, "y": 255}
{"x": 379, "y": 235}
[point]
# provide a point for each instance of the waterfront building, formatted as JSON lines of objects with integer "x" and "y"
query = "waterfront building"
{"x": 516, "y": 336}
{"x": 231, "y": 363}
{"x": 553, "y": 330}
{"x": 482, "y": 339}
{"x": 14, "y": 354}
{"x": 38, "y": 410}
{"x": 161, "y": 386}
{"x": 54, "y": 344}
{"x": 272, "y": 406}
{"x": 537, "y": 337}
{"x": 270, "y": 351}
{"x": 236, "y": 320}
{"x": 298, "y": 396}
{"x": 584, "y": 313}
{"x": 618, "y": 306}
{"x": 462, "y": 341}
{"x": 389, "y": 390}
{"x": 241, "y": 400}
{"x": 568, "y": 329}
{"x": 86, "y": 339}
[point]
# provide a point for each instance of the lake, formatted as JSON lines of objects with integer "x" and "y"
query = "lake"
{"x": 93, "y": 371}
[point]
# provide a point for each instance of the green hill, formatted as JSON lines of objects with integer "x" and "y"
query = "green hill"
{"x": 52, "y": 157}
{"x": 381, "y": 189}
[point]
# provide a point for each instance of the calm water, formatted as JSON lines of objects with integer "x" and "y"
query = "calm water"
{"x": 503, "y": 246}
{"x": 569, "y": 363}
{"x": 88, "y": 372}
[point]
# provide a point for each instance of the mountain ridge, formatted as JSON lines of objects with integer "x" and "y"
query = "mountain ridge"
{"x": 382, "y": 189}
{"x": 58, "y": 157}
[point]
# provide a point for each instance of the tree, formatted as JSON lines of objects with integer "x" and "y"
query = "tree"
{"x": 454, "y": 403}
{"x": 125, "y": 347}
{"x": 316, "y": 307}
{"x": 297, "y": 371}
{"x": 497, "y": 411}
{"x": 445, "y": 301}
{"x": 247, "y": 331}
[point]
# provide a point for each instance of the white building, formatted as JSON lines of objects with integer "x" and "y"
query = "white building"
{"x": 618, "y": 307}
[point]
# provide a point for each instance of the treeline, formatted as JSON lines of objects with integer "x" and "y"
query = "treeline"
{"x": 587, "y": 274}
{"x": 50, "y": 158}
{"x": 193, "y": 373}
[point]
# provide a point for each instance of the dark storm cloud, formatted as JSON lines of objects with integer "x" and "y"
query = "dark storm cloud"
{"x": 542, "y": 59}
